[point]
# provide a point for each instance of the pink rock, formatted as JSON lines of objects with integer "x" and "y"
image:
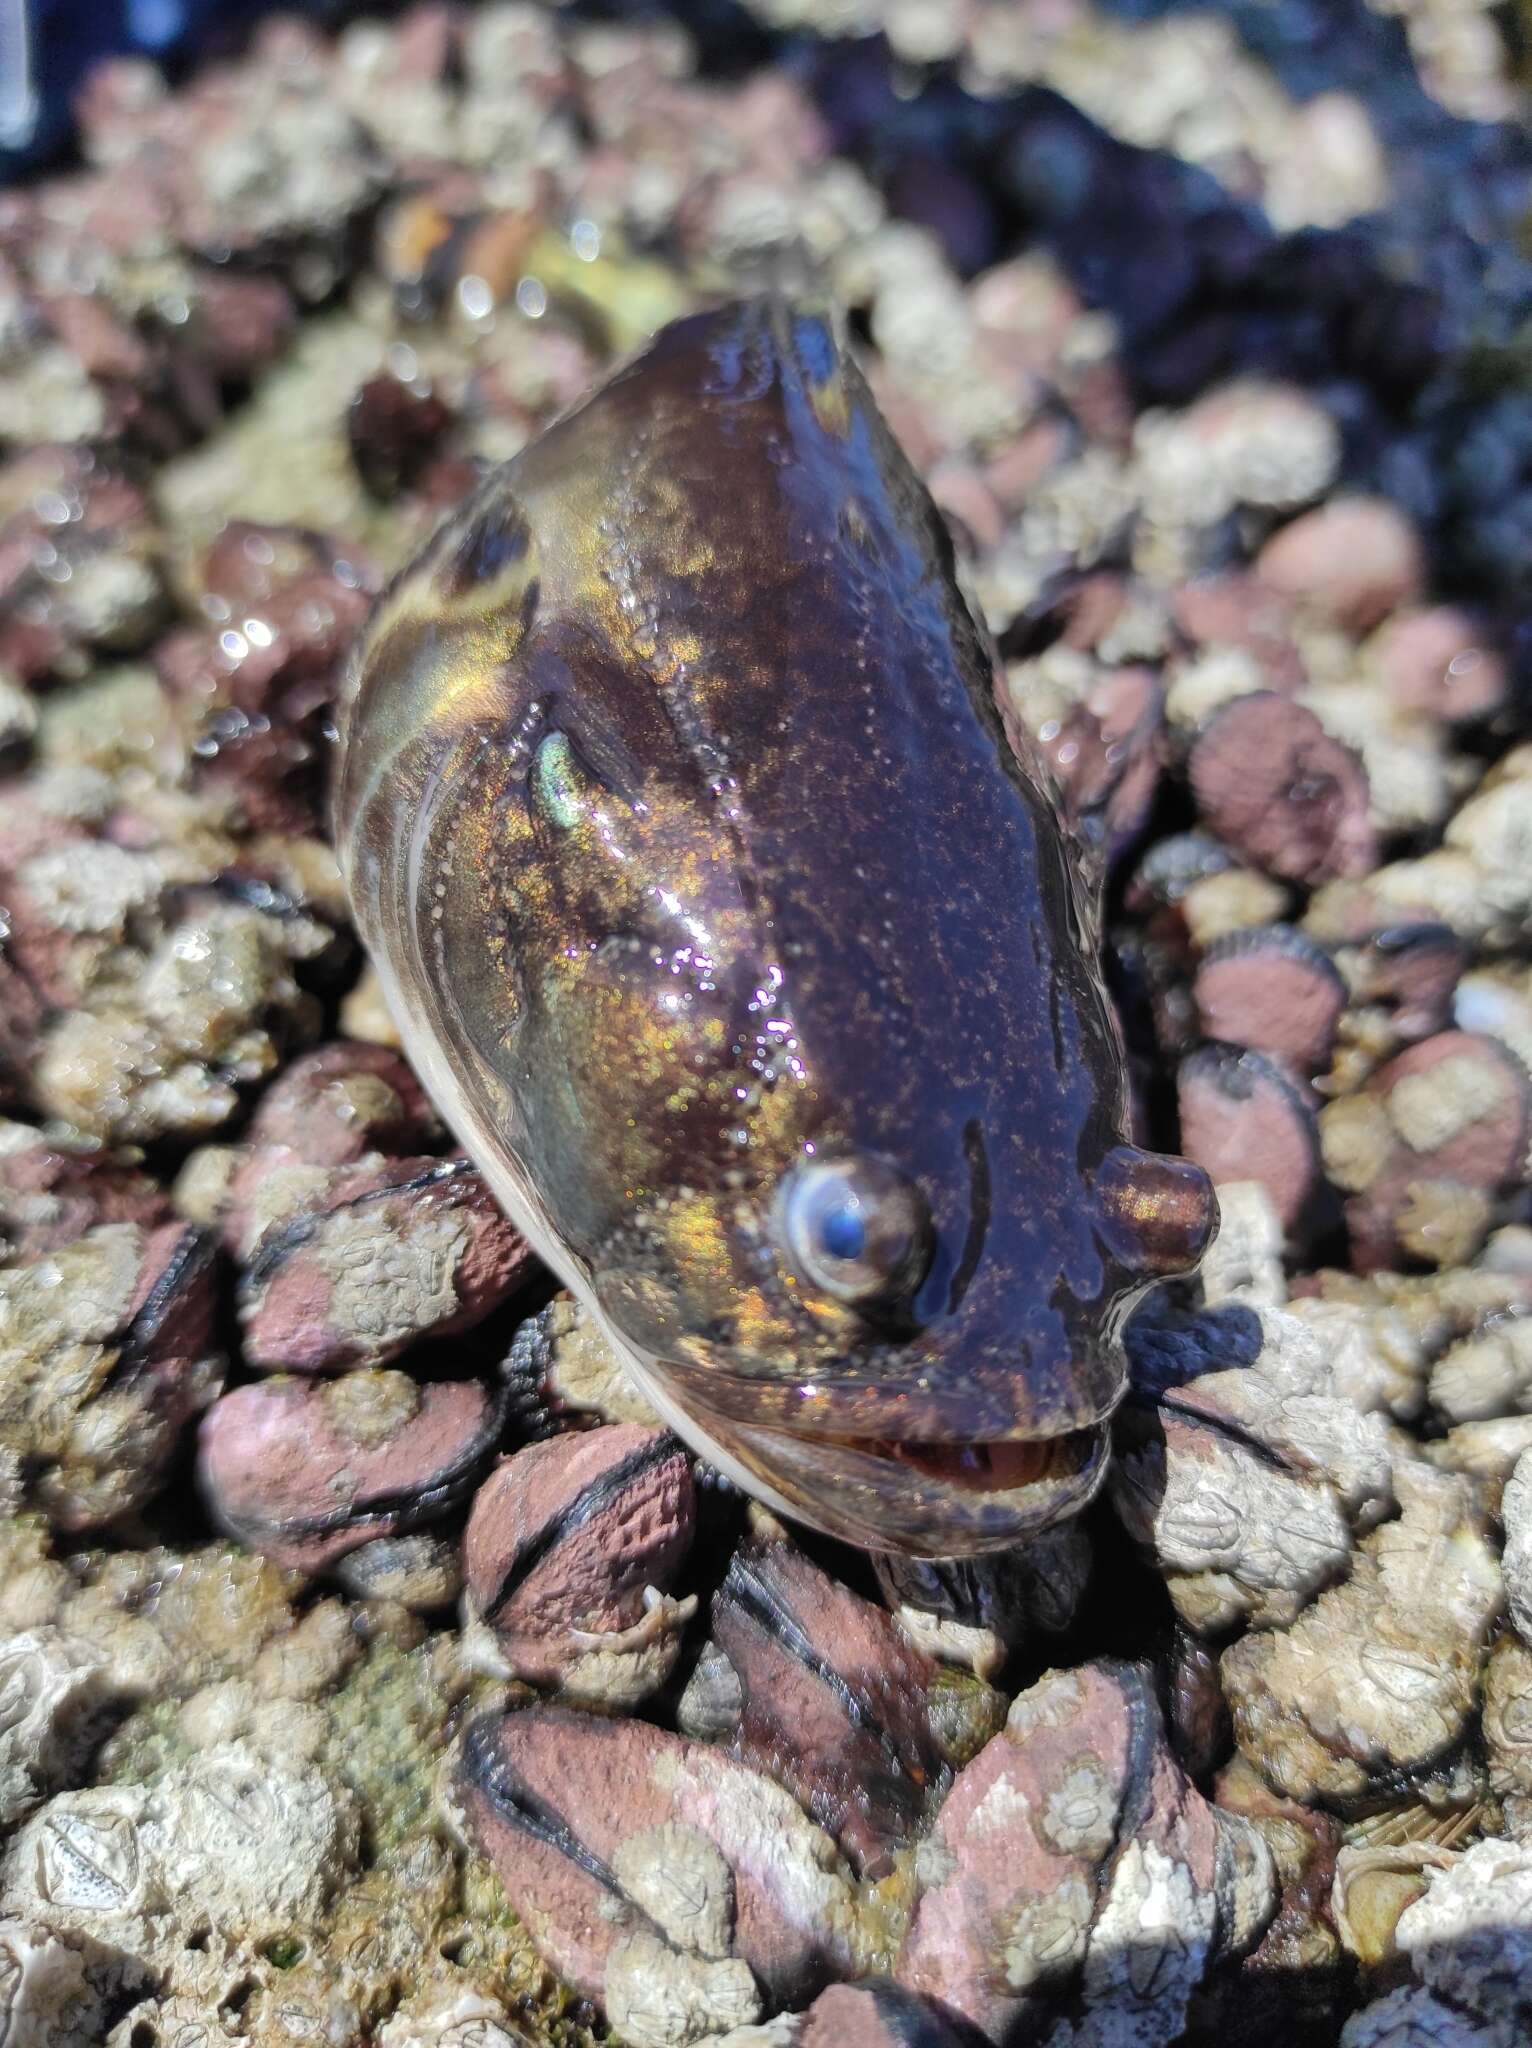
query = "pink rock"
{"x": 873, "y": 2014}
{"x": 1439, "y": 661}
{"x": 1272, "y": 783}
{"x": 1461, "y": 1108}
{"x": 1412, "y": 967}
{"x": 1353, "y": 559}
{"x": 1273, "y": 989}
{"x": 389, "y": 1254}
{"x": 338, "y": 1102}
{"x": 566, "y": 1536}
{"x": 1105, "y": 754}
{"x": 834, "y": 1700}
{"x": 50, "y": 1197}
{"x": 1074, "y": 1850}
{"x": 553, "y": 1798}
{"x": 1230, "y": 608}
{"x": 1244, "y": 1117}
{"x": 306, "y": 1473}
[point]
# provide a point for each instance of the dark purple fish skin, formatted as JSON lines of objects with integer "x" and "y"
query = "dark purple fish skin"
{"x": 676, "y": 806}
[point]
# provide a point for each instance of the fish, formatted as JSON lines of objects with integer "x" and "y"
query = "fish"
{"x": 734, "y": 926}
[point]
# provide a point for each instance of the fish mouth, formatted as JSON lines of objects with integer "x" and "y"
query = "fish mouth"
{"x": 926, "y": 1499}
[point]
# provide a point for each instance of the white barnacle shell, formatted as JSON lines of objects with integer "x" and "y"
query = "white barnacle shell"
{"x": 51, "y": 1685}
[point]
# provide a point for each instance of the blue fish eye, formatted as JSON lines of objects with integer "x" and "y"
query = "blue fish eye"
{"x": 842, "y": 1233}
{"x": 855, "y": 1228}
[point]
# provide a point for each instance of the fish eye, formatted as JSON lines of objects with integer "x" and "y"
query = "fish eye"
{"x": 855, "y": 1228}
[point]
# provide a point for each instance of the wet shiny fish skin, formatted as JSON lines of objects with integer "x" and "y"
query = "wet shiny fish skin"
{"x": 742, "y": 944}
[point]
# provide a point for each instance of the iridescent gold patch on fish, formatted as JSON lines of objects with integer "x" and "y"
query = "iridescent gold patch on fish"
{"x": 820, "y": 362}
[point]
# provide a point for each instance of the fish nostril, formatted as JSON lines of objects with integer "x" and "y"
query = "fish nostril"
{"x": 1158, "y": 1214}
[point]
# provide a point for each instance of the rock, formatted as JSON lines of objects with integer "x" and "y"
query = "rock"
{"x": 1374, "y": 1885}
{"x": 552, "y": 1797}
{"x": 106, "y": 1351}
{"x": 1274, "y": 990}
{"x": 1380, "y": 1676}
{"x": 1437, "y": 660}
{"x": 200, "y": 1014}
{"x": 1470, "y": 1937}
{"x": 979, "y": 1611}
{"x": 1486, "y": 1375}
{"x": 52, "y": 1989}
{"x": 1374, "y": 1359}
{"x": 1243, "y": 1264}
{"x": 52, "y": 1192}
{"x": 1244, "y": 1118}
{"x": 1105, "y": 755}
{"x": 562, "y": 1373}
{"x": 1439, "y": 1130}
{"x": 710, "y": 1706}
{"x": 873, "y": 2014}
{"x": 54, "y": 1692}
{"x": 394, "y": 425}
{"x": 1506, "y": 1719}
{"x": 1354, "y": 561}
{"x": 229, "y": 1842}
{"x": 1412, "y": 2018}
{"x": 307, "y": 1474}
{"x": 450, "y": 2016}
{"x": 1297, "y": 1980}
{"x": 1516, "y": 1515}
{"x": 420, "y": 1572}
{"x": 1491, "y": 831}
{"x": 1073, "y": 1855}
{"x": 1272, "y": 783}
{"x": 833, "y": 1700}
{"x": 571, "y": 1552}
{"x": 1486, "y": 1451}
{"x": 1245, "y": 1487}
{"x": 388, "y": 1254}
{"x": 339, "y": 1102}
{"x": 1197, "y": 1715}
{"x": 1414, "y": 968}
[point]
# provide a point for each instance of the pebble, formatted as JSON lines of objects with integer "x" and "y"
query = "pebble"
{"x": 339, "y": 1102}
{"x": 1380, "y": 1676}
{"x": 1439, "y": 661}
{"x": 56, "y": 1694}
{"x": 1272, "y": 989}
{"x": 1516, "y": 1516}
{"x": 1469, "y": 1938}
{"x": 562, "y": 1373}
{"x": 980, "y": 1611}
{"x": 1247, "y": 1486}
{"x": 107, "y": 1350}
{"x": 1438, "y": 1132}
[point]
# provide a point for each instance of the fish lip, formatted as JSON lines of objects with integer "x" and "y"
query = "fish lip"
{"x": 907, "y": 1408}
{"x": 879, "y": 1497}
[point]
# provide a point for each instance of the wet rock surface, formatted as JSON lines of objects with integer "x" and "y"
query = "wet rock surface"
{"x": 374, "y": 1669}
